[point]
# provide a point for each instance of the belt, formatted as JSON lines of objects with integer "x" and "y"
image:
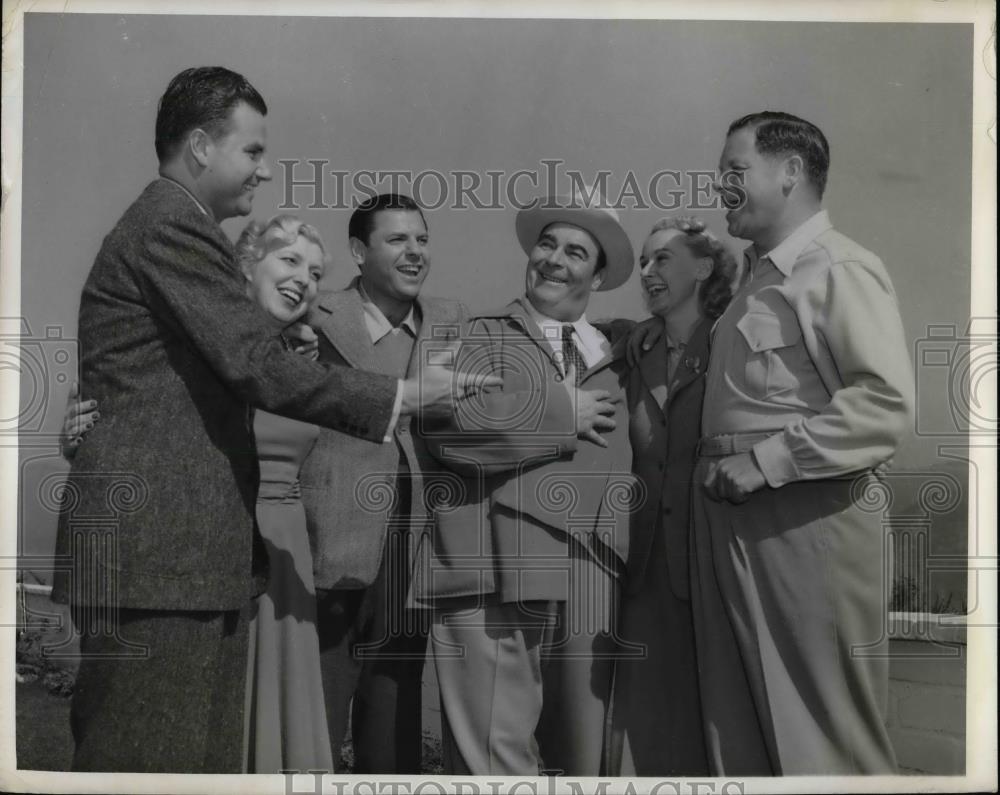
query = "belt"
{"x": 732, "y": 443}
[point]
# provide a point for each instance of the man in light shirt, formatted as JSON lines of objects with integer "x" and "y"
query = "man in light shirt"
{"x": 372, "y": 648}
{"x": 522, "y": 566}
{"x": 809, "y": 389}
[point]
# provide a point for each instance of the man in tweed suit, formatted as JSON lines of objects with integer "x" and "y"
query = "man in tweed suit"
{"x": 175, "y": 353}
{"x": 372, "y": 648}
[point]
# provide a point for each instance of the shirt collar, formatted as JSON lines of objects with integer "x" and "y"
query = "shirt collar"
{"x": 674, "y": 345}
{"x": 593, "y": 345}
{"x": 784, "y": 255}
{"x": 190, "y": 194}
{"x": 377, "y": 323}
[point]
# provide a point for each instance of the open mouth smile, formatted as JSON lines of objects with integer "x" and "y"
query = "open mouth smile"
{"x": 410, "y": 269}
{"x": 293, "y": 297}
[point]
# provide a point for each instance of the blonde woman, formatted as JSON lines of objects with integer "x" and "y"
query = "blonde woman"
{"x": 282, "y": 262}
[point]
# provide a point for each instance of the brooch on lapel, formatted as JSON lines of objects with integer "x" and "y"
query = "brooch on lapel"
{"x": 693, "y": 363}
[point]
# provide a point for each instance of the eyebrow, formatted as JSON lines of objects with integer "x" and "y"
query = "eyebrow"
{"x": 656, "y": 252}
{"x": 577, "y": 247}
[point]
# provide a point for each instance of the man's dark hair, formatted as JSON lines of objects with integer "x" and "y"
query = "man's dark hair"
{"x": 202, "y": 97}
{"x": 784, "y": 134}
{"x": 363, "y": 218}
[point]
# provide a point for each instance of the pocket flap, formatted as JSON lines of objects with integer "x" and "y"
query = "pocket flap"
{"x": 764, "y": 331}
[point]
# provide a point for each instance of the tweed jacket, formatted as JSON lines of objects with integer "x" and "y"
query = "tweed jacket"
{"x": 664, "y": 429}
{"x": 175, "y": 352}
{"x": 347, "y": 482}
{"x": 518, "y": 483}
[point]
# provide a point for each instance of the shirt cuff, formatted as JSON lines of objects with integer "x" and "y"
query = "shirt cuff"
{"x": 394, "y": 419}
{"x": 775, "y": 461}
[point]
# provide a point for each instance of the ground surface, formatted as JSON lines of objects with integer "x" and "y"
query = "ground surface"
{"x": 44, "y": 686}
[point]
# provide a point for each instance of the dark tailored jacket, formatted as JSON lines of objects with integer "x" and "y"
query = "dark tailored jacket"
{"x": 174, "y": 351}
{"x": 518, "y": 483}
{"x": 664, "y": 429}
{"x": 347, "y": 482}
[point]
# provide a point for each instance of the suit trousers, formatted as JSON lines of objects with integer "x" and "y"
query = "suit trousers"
{"x": 525, "y": 685}
{"x": 789, "y": 594}
{"x": 160, "y": 691}
{"x": 372, "y": 652}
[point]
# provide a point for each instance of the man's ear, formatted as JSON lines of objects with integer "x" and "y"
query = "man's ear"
{"x": 359, "y": 251}
{"x": 598, "y": 280}
{"x": 199, "y": 143}
{"x": 794, "y": 168}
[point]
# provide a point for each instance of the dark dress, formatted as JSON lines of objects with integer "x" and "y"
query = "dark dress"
{"x": 656, "y": 712}
{"x": 286, "y": 717}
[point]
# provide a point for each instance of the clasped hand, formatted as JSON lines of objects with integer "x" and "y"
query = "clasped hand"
{"x": 734, "y": 478}
{"x": 595, "y": 409}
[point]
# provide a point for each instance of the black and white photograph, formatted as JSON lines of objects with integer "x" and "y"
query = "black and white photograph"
{"x": 536, "y": 397}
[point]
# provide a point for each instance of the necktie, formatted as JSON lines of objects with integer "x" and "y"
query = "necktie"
{"x": 571, "y": 354}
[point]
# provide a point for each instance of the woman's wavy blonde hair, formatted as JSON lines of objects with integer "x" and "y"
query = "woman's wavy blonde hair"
{"x": 259, "y": 239}
{"x": 716, "y": 291}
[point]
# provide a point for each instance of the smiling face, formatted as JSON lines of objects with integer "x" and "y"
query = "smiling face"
{"x": 394, "y": 261}
{"x": 671, "y": 273}
{"x": 562, "y": 271}
{"x": 285, "y": 280}
{"x": 234, "y": 164}
{"x": 751, "y": 187}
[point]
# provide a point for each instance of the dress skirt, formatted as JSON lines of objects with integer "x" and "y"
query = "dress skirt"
{"x": 286, "y": 717}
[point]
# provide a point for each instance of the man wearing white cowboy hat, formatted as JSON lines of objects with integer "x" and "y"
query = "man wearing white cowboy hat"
{"x": 523, "y": 563}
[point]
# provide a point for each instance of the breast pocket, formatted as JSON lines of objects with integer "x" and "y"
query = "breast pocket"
{"x": 773, "y": 342}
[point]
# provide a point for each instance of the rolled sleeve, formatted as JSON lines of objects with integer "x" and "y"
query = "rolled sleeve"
{"x": 775, "y": 461}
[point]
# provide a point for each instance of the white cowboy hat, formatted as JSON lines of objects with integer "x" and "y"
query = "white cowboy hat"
{"x": 600, "y": 221}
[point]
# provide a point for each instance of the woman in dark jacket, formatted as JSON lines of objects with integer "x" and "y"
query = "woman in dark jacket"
{"x": 687, "y": 279}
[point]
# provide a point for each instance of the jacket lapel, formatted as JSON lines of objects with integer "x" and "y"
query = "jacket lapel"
{"x": 694, "y": 361}
{"x": 616, "y": 352}
{"x": 340, "y": 317}
{"x": 430, "y": 316}
{"x": 653, "y": 368}
{"x": 515, "y": 310}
